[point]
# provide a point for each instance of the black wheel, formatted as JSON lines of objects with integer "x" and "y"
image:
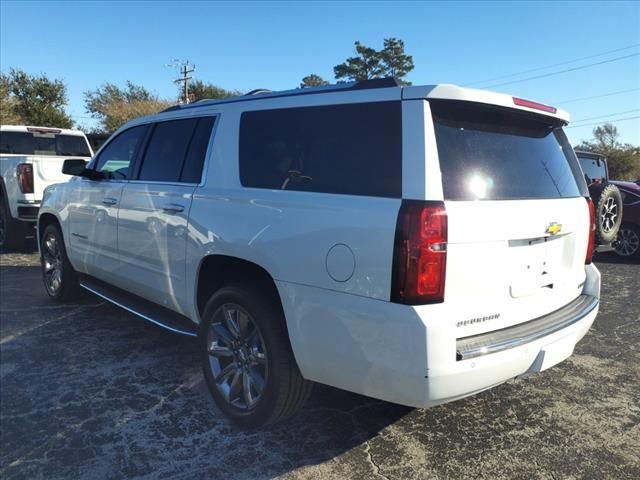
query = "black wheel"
{"x": 12, "y": 233}
{"x": 608, "y": 214}
{"x": 247, "y": 359}
{"x": 60, "y": 279}
{"x": 628, "y": 242}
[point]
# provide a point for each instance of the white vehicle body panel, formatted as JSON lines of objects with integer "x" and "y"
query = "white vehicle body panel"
{"x": 331, "y": 256}
{"x": 47, "y": 170}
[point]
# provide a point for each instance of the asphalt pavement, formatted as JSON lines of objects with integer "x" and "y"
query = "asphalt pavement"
{"x": 90, "y": 391}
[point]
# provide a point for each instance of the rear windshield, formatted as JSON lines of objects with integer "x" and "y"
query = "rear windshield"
{"x": 593, "y": 169}
{"x": 492, "y": 153}
{"x": 27, "y": 143}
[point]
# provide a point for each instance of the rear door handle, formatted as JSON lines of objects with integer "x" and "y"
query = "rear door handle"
{"x": 109, "y": 201}
{"x": 173, "y": 208}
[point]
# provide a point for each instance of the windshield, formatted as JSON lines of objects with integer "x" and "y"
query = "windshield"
{"x": 27, "y": 143}
{"x": 494, "y": 153}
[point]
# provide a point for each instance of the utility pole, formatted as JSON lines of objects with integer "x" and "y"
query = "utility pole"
{"x": 185, "y": 70}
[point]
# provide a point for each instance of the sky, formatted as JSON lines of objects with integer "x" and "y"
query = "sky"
{"x": 248, "y": 45}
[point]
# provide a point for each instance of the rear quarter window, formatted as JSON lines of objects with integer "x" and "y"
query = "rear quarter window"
{"x": 353, "y": 149}
{"x": 493, "y": 153}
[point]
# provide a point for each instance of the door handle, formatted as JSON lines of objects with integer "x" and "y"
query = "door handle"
{"x": 109, "y": 201}
{"x": 173, "y": 208}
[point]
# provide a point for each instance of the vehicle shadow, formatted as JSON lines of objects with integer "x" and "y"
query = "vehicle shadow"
{"x": 111, "y": 395}
{"x": 612, "y": 257}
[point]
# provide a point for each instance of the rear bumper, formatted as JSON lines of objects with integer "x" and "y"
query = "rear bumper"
{"x": 407, "y": 355}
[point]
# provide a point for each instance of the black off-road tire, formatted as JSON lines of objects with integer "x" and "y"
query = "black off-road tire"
{"x": 285, "y": 390}
{"x": 12, "y": 232}
{"x": 68, "y": 288}
{"x": 608, "y": 215}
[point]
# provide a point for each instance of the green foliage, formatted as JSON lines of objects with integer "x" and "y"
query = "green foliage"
{"x": 391, "y": 61}
{"x": 113, "y": 106}
{"x": 198, "y": 90}
{"x": 313, "y": 80}
{"x": 623, "y": 159}
{"x": 33, "y": 100}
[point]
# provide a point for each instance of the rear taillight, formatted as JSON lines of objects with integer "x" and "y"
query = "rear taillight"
{"x": 420, "y": 253}
{"x": 25, "y": 177}
{"x": 592, "y": 232}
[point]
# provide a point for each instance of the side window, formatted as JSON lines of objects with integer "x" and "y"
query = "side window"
{"x": 353, "y": 149}
{"x": 192, "y": 169}
{"x": 167, "y": 149}
{"x": 117, "y": 156}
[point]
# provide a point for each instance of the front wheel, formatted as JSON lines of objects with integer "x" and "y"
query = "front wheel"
{"x": 60, "y": 279}
{"x": 628, "y": 242}
{"x": 247, "y": 359}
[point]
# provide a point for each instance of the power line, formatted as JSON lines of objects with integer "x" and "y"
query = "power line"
{"x": 615, "y": 120}
{"x": 595, "y": 96}
{"x": 553, "y": 65}
{"x": 616, "y": 59}
{"x": 605, "y": 116}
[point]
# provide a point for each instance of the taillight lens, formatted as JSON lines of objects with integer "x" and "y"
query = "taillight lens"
{"x": 420, "y": 253}
{"x": 25, "y": 177}
{"x": 592, "y": 232}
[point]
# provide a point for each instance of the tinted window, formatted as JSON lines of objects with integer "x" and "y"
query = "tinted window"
{"x": 349, "y": 149}
{"x": 496, "y": 153}
{"x": 192, "y": 170}
{"x": 167, "y": 149}
{"x": 114, "y": 160}
{"x": 593, "y": 169}
{"x": 27, "y": 143}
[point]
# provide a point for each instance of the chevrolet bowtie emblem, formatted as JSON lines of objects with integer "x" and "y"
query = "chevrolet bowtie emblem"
{"x": 554, "y": 228}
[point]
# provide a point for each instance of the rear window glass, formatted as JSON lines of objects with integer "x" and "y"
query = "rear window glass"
{"x": 593, "y": 169}
{"x": 27, "y": 143}
{"x": 353, "y": 149}
{"x": 494, "y": 153}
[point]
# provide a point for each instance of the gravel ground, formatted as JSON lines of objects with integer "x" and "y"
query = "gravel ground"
{"x": 89, "y": 391}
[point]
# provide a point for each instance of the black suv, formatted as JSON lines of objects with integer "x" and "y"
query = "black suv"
{"x": 605, "y": 195}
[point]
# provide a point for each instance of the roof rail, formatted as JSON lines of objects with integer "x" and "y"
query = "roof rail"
{"x": 387, "y": 82}
{"x": 258, "y": 91}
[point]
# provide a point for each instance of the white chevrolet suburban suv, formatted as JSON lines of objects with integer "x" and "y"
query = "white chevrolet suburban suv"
{"x": 413, "y": 244}
{"x": 30, "y": 160}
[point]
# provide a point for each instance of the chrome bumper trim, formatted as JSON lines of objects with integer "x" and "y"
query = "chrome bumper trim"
{"x": 511, "y": 337}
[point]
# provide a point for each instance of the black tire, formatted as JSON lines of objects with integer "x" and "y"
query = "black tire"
{"x": 59, "y": 277}
{"x": 12, "y": 232}
{"x": 608, "y": 214}
{"x": 284, "y": 390}
{"x": 628, "y": 243}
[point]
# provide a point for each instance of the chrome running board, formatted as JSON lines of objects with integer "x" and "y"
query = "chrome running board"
{"x": 160, "y": 316}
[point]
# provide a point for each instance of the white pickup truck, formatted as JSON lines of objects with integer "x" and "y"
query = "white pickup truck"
{"x": 30, "y": 160}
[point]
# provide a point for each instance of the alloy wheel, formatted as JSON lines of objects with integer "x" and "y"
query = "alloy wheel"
{"x": 608, "y": 215}
{"x": 52, "y": 264}
{"x": 628, "y": 242}
{"x": 237, "y": 356}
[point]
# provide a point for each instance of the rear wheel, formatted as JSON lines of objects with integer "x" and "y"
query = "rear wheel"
{"x": 608, "y": 214}
{"x": 628, "y": 243}
{"x": 247, "y": 359}
{"x": 11, "y": 231}
{"x": 60, "y": 279}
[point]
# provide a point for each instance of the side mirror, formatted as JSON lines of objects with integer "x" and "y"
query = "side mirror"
{"x": 78, "y": 168}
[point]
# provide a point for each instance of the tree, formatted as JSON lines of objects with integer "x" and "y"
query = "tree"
{"x": 364, "y": 66}
{"x": 33, "y": 100}
{"x": 391, "y": 61}
{"x": 623, "y": 160}
{"x": 198, "y": 90}
{"x": 396, "y": 63}
{"x": 113, "y": 106}
{"x": 313, "y": 80}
